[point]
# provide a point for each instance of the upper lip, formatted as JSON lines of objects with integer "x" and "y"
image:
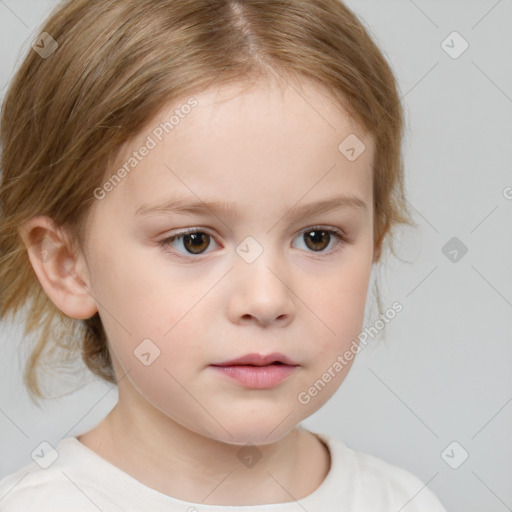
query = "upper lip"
{"x": 258, "y": 360}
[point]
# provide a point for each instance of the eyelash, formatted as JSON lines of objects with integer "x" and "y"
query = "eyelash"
{"x": 340, "y": 235}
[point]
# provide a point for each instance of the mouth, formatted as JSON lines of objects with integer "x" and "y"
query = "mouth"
{"x": 256, "y": 371}
{"x": 259, "y": 360}
{"x": 274, "y": 363}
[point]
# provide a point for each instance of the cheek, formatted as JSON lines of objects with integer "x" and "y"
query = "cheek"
{"x": 152, "y": 321}
{"x": 138, "y": 295}
{"x": 340, "y": 303}
{"x": 153, "y": 346}
{"x": 161, "y": 368}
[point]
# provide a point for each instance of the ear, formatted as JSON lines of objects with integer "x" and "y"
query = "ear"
{"x": 62, "y": 274}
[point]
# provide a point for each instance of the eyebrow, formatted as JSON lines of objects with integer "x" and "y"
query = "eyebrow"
{"x": 227, "y": 210}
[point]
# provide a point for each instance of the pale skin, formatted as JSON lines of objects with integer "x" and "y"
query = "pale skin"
{"x": 178, "y": 426}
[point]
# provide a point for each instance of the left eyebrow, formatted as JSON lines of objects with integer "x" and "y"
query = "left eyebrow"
{"x": 230, "y": 210}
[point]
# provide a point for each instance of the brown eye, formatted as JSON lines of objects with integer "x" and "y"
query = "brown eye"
{"x": 317, "y": 240}
{"x": 196, "y": 243}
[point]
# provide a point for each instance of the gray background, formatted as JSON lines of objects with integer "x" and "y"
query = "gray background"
{"x": 443, "y": 372}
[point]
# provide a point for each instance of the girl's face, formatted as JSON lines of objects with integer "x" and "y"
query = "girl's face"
{"x": 266, "y": 272}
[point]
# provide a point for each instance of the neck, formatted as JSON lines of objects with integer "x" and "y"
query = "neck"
{"x": 167, "y": 457}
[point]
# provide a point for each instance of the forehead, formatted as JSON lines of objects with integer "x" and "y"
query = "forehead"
{"x": 243, "y": 143}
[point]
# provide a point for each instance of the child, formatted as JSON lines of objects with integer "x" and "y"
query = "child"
{"x": 197, "y": 191}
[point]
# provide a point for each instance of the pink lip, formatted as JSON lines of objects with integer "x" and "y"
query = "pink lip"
{"x": 258, "y": 360}
{"x": 257, "y": 371}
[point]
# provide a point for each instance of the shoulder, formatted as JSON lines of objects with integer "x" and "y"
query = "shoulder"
{"x": 377, "y": 482}
{"x": 53, "y": 488}
{"x": 399, "y": 484}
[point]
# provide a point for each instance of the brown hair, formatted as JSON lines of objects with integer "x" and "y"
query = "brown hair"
{"x": 118, "y": 62}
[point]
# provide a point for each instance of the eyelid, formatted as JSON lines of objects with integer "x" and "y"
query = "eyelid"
{"x": 165, "y": 243}
{"x": 319, "y": 227}
{"x": 343, "y": 240}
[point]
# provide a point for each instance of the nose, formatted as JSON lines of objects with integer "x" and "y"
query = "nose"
{"x": 262, "y": 292}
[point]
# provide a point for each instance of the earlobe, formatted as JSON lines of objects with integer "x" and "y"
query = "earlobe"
{"x": 62, "y": 274}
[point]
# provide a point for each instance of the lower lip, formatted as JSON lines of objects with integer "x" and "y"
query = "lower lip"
{"x": 257, "y": 377}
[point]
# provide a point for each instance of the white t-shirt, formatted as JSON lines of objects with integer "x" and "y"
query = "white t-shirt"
{"x": 80, "y": 480}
